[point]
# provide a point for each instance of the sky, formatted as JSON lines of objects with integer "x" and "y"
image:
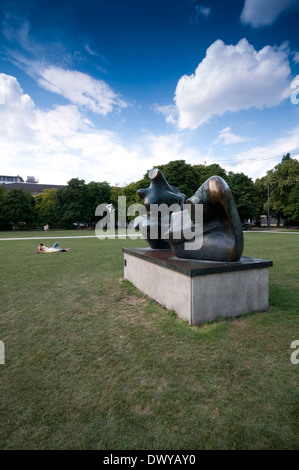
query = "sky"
{"x": 105, "y": 90}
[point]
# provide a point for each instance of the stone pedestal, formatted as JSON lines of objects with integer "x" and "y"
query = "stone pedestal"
{"x": 199, "y": 291}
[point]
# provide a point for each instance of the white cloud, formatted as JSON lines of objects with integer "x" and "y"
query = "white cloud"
{"x": 16, "y": 111}
{"x": 165, "y": 148}
{"x": 227, "y": 137}
{"x": 258, "y": 160}
{"x": 80, "y": 89}
{"x": 259, "y": 13}
{"x": 169, "y": 111}
{"x": 231, "y": 78}
{"x": 296, "y": 57}
{"x": 58, "y": 144}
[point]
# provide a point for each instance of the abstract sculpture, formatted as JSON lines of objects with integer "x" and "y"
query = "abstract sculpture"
{"x": 222, "y": 235}
{"x": 159, "y": 192}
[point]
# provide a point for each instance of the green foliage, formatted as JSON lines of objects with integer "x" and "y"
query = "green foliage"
{"x": 181, "y": 175}
{"x": 46, "y": 208}
{"x": 71, "y": 203}
{"x": 3, "y": 222}
{"x": 130, "y": 192}
{"x": 77, "y": 202}
{"x": 204, "y": 172}
{"x": 245, "y": 195}
{"x": 17, "y": 206}
{"x": 261, "y": 187}
{"x": 116, "y": 191}
{"x": 293, "y": 206}
{"x": 97, "y": 193}
{"x": 284, "y": 181}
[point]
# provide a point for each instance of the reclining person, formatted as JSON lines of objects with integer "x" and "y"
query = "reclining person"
{"x": 50, "y": 249}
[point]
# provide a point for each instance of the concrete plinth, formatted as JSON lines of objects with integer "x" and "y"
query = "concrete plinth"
{"x": 199, "y": 291}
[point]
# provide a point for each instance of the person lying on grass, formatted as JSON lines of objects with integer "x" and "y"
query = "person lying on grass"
{"x": 50, "y": 249}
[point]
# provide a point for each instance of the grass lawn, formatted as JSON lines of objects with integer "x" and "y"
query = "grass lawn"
{"x": 91, "y": 363}
{"x": 52, "y": 234}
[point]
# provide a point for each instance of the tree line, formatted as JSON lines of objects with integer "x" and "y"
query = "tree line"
{"x": 74, "y": 205}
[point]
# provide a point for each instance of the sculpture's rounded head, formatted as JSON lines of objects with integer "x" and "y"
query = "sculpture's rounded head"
{"x": 154, "y": 173}
{"x": 160, "y": 191}
{"x": 156, "y": 176}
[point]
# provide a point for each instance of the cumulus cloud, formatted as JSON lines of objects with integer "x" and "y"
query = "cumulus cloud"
{"x": 60, "y": 143}
{"x": 16, "y": 109}
{"x": 56, "y": 144}
{"x": 227, "y": 137}
{"x": 259, "y": 13}
{"x": 232, "y": 78}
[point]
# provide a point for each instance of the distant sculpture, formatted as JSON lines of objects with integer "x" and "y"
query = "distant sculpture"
{"x": 221, "y": 227}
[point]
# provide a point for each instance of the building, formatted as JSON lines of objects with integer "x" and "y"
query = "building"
{"x": 31, "y": 184}
{"x": 10, "y": 179}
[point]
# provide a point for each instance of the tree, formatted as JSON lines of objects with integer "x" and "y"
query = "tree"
{"x": 72, "y": 203}
{"x": 261, "y": 186}
{"x": 3, "y": 221}
{"x": 187, "y": 178}
{"x": 205, "y": 172}
{"x": 245, "y": 195}
{"x": 181, "y": 175}
{"x": 293, "y": 206}
{"x": 46, "y": 208}
{"x": 284, "y": 179}
{"x": 97, "y": 193}
{"x": 17, "y": 206}
{"x": 115, "y": 192}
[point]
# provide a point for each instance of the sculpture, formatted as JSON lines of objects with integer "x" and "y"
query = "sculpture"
{"x": 159, "y": 192}
{"x": 221, "y": 229}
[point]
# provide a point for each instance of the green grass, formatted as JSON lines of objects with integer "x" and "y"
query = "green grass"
{"x": 91, "y": 363}
{"x": 40, "y": 234}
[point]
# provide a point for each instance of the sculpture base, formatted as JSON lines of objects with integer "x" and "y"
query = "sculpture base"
{"x": 199, "y": 291}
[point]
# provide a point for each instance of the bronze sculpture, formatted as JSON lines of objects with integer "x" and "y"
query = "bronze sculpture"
{"x": 159, "y": 192}
{"x": 222, "y": 235}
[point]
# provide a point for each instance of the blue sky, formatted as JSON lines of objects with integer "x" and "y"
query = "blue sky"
{"x": 107, "y": 89}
